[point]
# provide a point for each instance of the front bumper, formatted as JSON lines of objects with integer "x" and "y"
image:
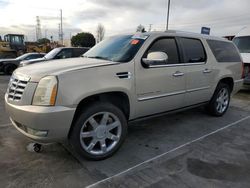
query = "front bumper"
{"x": 55, "y": 120}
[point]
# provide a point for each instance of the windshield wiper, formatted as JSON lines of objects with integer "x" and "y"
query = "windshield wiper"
{"x": 98, "y": 57}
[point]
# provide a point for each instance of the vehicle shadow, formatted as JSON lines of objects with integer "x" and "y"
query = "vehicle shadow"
{"x": 150, "y": 138}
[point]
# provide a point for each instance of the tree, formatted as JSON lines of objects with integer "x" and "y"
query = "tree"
{"x": 140, "y": 28}
{"x": 43, "y": 41}
{"x": 83, "y": 39}
{"x": 100, "y": 32}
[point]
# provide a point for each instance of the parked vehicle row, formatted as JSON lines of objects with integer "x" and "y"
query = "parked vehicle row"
{"x": 242, "y": 41}
{"x": 9, "y": 65}
{"x": 90, "y": 100}
{"x": 58, "y": 53}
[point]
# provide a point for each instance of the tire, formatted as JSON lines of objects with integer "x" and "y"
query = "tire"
{"x": 103, "y": 127}
{"x": 218, "y": 105}
{"x": 9, "y": 69}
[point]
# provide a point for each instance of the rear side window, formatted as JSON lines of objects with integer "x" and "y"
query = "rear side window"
{"x": 79, "y": 51}
{"x": 193, "y": 50}
{"x": 167, "y": 45}
{"x": 243, "y": 44}
{"x": 224, "y": 51}
{"x": 65, "y": 53}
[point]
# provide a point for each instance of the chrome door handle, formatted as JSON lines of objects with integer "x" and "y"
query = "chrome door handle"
{"x": 207, "y": 71}
{"x": 178, "y": 74}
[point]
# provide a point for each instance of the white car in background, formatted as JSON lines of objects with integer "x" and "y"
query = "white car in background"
{"x": 242, "y": 41}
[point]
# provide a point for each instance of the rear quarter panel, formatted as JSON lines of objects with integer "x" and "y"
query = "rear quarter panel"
{"x": 223, "y": 69}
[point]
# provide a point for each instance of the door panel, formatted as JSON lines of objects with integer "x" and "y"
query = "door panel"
{"x": 158, "y": 90}
{"x": 161, "y": 88}
{"x": 198, "y": 84}
{"x": 198, "y": 71}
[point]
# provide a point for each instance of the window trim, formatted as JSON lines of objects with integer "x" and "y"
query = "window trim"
{"x": 167, "y": 65}
{"x": 184, "y": 55}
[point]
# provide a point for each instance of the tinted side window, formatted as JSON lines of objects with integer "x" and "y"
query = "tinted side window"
{"x": 29, "y": 57}
{"x": 33, "y": 56}
{"x": 79, "y": 51}
{"x": 224, "y": 51}
{"x": 65, "y": 53}
{"x": 168, "y": 46}
{"x": 39, "y": 55}
{"x": 193, "y": 50}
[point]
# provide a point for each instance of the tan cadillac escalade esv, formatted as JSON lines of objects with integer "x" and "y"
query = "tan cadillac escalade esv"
{"x": 90, "y": 100}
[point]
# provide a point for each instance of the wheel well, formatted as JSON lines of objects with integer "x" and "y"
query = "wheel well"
{"x": 9, "y": 64}
{"x": 118, "y": 99}
{"x": 229, "y": 81}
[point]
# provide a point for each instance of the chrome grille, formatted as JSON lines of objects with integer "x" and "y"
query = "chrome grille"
{"x": 16, "y": 87}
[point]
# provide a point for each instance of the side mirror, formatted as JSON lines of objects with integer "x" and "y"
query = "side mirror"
{"x": 156, "y": 58}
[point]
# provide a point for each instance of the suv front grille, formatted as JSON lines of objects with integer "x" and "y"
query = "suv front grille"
{"x": 16, "y": 88}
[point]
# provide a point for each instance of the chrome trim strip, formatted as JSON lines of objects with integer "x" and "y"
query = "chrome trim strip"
{"x": 128, "y": 75}
{"x": 172, "y": 94}
{"x": 161, "y": 96}
{"x": 177, "y": 65}
{"x": 20, "y": 77}
{"x": 197, "y": 89}
{"x": 236, "y": 81}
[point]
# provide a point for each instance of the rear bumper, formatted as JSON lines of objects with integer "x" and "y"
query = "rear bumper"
{"x": 247, "y": 80}
{"x": 238, "y": 85}
{"x": 56, "y": 121}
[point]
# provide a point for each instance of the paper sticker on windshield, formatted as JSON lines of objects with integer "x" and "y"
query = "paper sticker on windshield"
{"x": 135, "y": 41}
{"x": 140, "y": 36}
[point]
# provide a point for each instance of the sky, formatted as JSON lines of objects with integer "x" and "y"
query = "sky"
{"x": 224, "y": 17}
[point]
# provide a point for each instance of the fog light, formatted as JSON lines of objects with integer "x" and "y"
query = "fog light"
{"x": 37, "y": 132}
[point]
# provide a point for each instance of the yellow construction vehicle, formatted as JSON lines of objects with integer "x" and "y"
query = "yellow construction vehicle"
{"x": 13, "y": 45}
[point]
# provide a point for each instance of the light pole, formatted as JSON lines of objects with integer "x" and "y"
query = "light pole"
{"x": 61, "y": 26}
{"x": 168, "y": 15}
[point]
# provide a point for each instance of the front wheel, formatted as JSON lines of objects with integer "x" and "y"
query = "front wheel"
{"x": 9, "y": 69}
{"x": 219, "y": 103}
{"x": 99, "y": 131}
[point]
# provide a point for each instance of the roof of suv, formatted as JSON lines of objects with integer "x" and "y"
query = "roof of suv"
{"x": 184, "y": 34}
{"x": 73, "y": 47}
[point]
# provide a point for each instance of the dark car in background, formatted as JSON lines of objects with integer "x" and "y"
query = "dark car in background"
{"x": 58, "y": 53}
{"x": 9, "y": 65}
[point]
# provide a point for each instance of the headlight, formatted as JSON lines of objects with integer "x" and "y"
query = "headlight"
{"x": 46, "y": 92}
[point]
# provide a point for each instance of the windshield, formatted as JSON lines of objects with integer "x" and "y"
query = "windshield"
{"x": 118, "y": 48}
{"x": 243, "y": 44}
{"x": 52, "y": 53}
{"x": 22, "y": 57}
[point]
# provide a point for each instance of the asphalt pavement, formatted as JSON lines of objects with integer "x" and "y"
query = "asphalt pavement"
{"x": 187, "y": 149}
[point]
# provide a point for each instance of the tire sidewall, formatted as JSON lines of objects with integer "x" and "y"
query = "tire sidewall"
{"x": 9, "y": 69}
{"x": 213, "y": 103}
{"x": 74, "y": 137}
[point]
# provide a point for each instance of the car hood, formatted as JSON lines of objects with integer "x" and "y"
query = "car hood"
{"x": 56, "y": 67}
{"x": 3, "y": 60}
{"x": 245, "y": 57}
{"x": 31, "y": 61}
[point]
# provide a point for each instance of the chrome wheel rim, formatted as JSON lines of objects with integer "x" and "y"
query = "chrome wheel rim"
{"x": 100, "y": 133}
{"x": 222, "y": 100}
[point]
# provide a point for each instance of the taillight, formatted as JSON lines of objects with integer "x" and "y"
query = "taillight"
{"x": 242, "y": 71}
{"x": 245, "y": 69}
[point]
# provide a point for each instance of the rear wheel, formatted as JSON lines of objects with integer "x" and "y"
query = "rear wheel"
{"x": 99, "y": 131}
{"x": 9, "y": 69}
{"x": 219, "y": 103}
